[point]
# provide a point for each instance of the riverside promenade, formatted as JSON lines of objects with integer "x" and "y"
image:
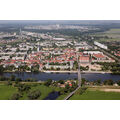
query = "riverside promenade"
{"x": 75, "y": 72}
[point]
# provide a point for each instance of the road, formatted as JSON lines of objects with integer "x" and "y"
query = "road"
{"x": 76, "y": 72}
{"x": 112, "y": 56}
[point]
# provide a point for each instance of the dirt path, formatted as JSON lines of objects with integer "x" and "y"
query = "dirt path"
{"x": 110, "y": 90}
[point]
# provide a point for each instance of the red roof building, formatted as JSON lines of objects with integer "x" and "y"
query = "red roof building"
{"x": 99, "y": 56}
{"x": 84, "y": 59}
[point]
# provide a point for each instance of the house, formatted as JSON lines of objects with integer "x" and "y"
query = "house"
{"x": 84, "y": 59}
{"x": 99, "y": 56}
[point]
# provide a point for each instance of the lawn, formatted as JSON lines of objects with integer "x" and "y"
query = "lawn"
{"x": 96, "y": 95}
{"x": 90, "y": 94}
{"x": 6, "y": 91}
{"x": 61, "y": 97}
{"x": 44, "y": 91}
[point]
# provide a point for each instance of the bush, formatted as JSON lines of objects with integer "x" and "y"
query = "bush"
{"x": 34, "y": 94}
{"x": 16, "y": 96}
{"x": 9, "y": 82}
{"x": 118, "y": 82}
{"x": 12, "y": 78}
{"x": 61, "y": 81}
{"x": 1, "y": 69}
{"x": 18, "y": 80}
{"x": 48, "y": 82}
{"x": 81, "y": 90}
{"x": 108, "y": 82}
{"x": 23, "y": 88}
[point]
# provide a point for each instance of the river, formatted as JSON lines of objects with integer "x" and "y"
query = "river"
{"x": 62, "y": 76}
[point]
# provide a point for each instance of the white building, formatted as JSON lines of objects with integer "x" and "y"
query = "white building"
{"x": 101, "y": 45}
{"x": 5, "y": 57}
{"x": 92, "y": 52}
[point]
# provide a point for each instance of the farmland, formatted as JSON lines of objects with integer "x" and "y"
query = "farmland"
{"x": 112, "y": 35}
{"x": 96, "y": 94}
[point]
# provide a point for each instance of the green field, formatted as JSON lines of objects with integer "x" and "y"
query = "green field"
{"x": 90, "y": 94}
{"x": 61, "y": 97}
{"x": 6, "y": 92}
{"x": 113, "y": 34}
{"x": 44, "y": 91}
{"x": 96, "y": 95}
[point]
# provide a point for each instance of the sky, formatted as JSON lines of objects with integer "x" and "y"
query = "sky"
{"x": 82, "y": 22}
{"x": 59, "y": 10}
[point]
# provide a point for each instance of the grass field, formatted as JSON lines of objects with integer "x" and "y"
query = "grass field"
{"x": 61, "y": 97}
{"x": 113, "y": 34}
{"x": 90, "y": 94}
{"x": 96, "y": 95}
{"x": 44, "y": 91}
{"x": 6, "y": 91}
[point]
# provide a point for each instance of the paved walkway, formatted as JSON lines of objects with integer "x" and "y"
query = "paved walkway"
{"x": 72, "y": 93}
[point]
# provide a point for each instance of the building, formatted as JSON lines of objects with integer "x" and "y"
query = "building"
{"x": 100, "y": 45}
{"x": 99, "y": 56}
{"x": 91, "y": 52}
{"x": 84, "y": 59}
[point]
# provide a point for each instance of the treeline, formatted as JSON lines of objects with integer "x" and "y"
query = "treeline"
{"x": 21, "y": 68}
{"x": 113, "y": 67}
{"x": 100, "y": 82}
{"x": 13, "y": 78}
{"x": 25, "y": 89}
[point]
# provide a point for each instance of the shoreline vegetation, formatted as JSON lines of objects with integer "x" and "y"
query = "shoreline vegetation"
{"x": 51, "y": 71}
{"x": 39, "y": 91}
{"x": 76, "y": 72}
{"x": 13, "y": 88}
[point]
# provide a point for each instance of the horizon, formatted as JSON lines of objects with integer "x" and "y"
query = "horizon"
{"x": 88, "y": 22}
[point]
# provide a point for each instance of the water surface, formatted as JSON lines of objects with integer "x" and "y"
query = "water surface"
{"x": 63, "y": 76}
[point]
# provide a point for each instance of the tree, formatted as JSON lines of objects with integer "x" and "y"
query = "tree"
{"x": 48, "y": 82}
{"x": 98, "y": 82}
{"x": 16, "y": 96}
{"x": 61, "y": 81}
{"x": 108, "y": 82}
{"x": 17, "y": 50}
{"x": 44, "y": 68}
{"x": 34, "y": 94}
{"x": 12, "y": 78}
{"x": 9, "y": 82}
{"x": 58, "y": 69}
{"x": 35, "y": 68}
{"x": 67, "y": 88}
{"x": 23, "y": 88}
{"x": 118, "y": 82}
{"x": 82, "y": 90}
{"x": 83, "y": 81}
{"x": 1, "y": 69}
{"x": 18, "y": 80}
{"x": 62, "y": 92}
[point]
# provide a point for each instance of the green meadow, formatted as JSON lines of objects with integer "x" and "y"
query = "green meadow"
{"x": 6, "y": 91}
{"x": 96, "y": 95}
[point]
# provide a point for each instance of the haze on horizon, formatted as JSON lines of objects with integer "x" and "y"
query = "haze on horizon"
{"x": 82, "y": 22}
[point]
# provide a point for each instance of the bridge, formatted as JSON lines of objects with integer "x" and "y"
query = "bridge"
{"x": 79, "y": 80}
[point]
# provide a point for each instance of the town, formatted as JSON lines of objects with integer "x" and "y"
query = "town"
{"x": 59, "y": 60}
{"x": 49, "y": 52}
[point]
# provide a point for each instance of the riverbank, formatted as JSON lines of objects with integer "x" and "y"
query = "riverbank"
{"x": 76, "y": 72}
{"x": 62, "y": 75}
{"x": 53, "y": 71}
